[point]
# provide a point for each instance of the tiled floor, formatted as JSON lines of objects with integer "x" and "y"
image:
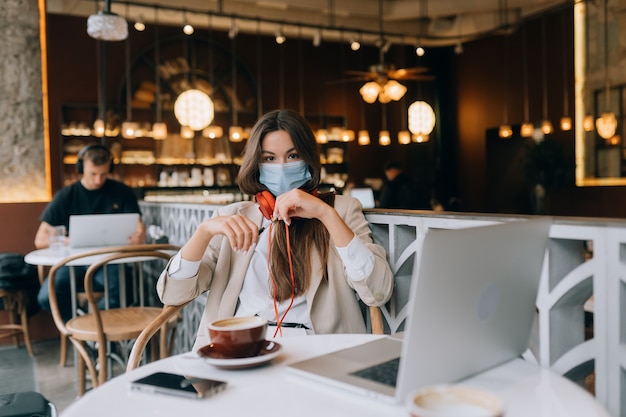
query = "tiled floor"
{"x": 56, "y": 383}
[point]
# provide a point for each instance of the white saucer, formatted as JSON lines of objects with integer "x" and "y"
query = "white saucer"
{"x": 269, "y": 351}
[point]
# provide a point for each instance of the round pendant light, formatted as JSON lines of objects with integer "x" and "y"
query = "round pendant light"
{"x": 195, "y": 109}
{"x": 421, "y": 118}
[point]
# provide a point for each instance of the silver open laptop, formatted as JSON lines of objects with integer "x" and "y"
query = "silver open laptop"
{"x": 365, "y": 195}
{"x": 94, "y": 230}
{"x": 472, "y": 305}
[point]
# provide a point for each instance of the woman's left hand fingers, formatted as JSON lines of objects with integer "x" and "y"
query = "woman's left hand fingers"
{"x": 295, "y": 203}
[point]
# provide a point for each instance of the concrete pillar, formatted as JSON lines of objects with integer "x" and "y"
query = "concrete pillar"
{"x": 22, "y": 151}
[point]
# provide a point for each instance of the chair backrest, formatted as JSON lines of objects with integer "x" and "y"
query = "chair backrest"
{"x": 160, "y": 323}
{"x": 136, "y": 255}
{"x": 101, "y": 257}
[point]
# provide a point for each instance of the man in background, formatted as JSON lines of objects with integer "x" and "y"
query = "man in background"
{"x": 400, "y": 192}
{"x": 94, "y": 193}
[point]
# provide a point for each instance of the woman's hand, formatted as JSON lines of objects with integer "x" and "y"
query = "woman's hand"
{"x": 242, "y": 233}
{"x": 299, "y": 203}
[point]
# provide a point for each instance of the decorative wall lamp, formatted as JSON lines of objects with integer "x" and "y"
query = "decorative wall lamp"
{"x": 505, "y": 131}
{"x": 527, "y": 128}
{"x": 128, "y": 126}
{"x": 421, "y": 121}
{"x": 188, "y": 28}
{"x": 606, "y": 124}
{"x": 235, "y": 132}
{"x": 213, "y": 132}
{"x": 404, "y": 137}
{"x": 566, "y": 120}
{"x": 280, "y": 36}
{"x": 363, "y": 137}
{"x": 159, "y": 128}
{"x": 384, "y": 139}
{"x": 321, "y": 135}
{"x": 546, "y": 124}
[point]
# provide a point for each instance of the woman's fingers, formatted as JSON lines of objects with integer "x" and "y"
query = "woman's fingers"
{"x": 296, "y": 203}
{"x": 240, "y": 231}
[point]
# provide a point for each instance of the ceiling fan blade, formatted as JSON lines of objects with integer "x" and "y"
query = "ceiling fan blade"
{"x": 419, "y": 78}
{"x": 349, "y": 80}
{"x": 403, "y": 72}
{"x": 363, "y": 73}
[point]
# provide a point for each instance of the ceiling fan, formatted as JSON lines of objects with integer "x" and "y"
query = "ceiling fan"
{"x": 382, "y": 78}
{"x": 382, "y": 81}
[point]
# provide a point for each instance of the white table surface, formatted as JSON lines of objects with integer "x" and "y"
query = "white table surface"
{"x": 49, "y": 257}
{"x": 272, "y": 391}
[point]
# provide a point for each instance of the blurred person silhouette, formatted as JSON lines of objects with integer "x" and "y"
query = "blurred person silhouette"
{"x": 94, "y": 193}
{"x": 400, "y": 191}
{"x": 298, "y": 258}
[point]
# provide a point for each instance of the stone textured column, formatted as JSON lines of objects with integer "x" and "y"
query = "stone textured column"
{"x": 22, "y": 151}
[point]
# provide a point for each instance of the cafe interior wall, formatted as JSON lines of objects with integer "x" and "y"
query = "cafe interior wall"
{"x": 480, "y": 77}
{"x": 316, "y": 87}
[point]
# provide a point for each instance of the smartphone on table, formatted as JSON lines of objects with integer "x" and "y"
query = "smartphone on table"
{"x": 179, "y": 385}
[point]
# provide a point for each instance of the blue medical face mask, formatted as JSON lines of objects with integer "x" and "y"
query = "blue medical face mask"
{"x": 280, "y": 178}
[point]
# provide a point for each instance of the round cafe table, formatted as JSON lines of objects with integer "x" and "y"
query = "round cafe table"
{"x": 272, "y": 391}
{"x": 49, "y": 257}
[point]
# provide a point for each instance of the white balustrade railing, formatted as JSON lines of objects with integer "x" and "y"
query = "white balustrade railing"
{"x": 585, "y": 266}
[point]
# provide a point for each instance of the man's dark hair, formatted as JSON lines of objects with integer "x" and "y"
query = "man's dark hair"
{"x": 392, "y": 165}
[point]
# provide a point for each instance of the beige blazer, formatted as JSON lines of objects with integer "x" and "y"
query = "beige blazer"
{"x": 333, "y": 304}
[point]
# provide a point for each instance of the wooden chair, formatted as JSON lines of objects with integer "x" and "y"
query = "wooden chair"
{"x": 376, "y": 320}
{"x": 104, "y": 326}
{"x": 15, "y": 304}
{"x": 164, "y": 324}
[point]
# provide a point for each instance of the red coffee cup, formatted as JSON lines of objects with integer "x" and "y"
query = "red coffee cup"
{"x": 238, "y": 337}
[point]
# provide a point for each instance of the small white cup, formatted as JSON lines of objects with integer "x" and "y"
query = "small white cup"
{"x": 56, "y": 235}
{"x": 454, "y": 401}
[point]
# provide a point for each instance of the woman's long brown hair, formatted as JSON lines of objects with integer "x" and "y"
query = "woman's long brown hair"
{"x": 305, "y": 235}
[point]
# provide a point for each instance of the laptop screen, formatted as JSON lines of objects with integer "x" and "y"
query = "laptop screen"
{"x": 96, "y": 230}
{"x": 472, "y": 305}
{"x": 365, "y": 195}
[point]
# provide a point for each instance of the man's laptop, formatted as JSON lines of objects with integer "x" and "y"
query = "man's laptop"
{"x": 94, "y": 230}
{"x": 472, "y": 305}
{"x": 365, "y": 195}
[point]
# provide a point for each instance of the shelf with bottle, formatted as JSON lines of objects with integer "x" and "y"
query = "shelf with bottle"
{"x": 203, "y": 194}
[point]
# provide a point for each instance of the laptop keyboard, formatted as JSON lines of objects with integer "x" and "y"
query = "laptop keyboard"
{"x": 384, "y": 373}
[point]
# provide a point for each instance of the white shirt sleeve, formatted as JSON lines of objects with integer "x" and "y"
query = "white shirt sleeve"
{"x": 180, "y": 268}
{"x": 357, "y": 258}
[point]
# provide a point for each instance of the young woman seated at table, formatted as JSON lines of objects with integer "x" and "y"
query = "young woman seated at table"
{"x": 295, "y": 257}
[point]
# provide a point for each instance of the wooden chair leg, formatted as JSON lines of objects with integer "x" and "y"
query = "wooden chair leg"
{"x": 81, "y": 376}
{"x": 13, "y": 305}
{"x": 63, "y": 354}
{"x": 376, "y": 319}
{"x": 25, "y": 331}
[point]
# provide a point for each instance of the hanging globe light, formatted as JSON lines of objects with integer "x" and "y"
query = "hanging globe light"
{"x": 421, "y": 118}
{"x": 194, "y": 108}
{"x": 606, "y": 125}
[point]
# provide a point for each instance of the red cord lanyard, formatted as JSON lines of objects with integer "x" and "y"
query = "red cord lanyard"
{"x": 279, "y": 319}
